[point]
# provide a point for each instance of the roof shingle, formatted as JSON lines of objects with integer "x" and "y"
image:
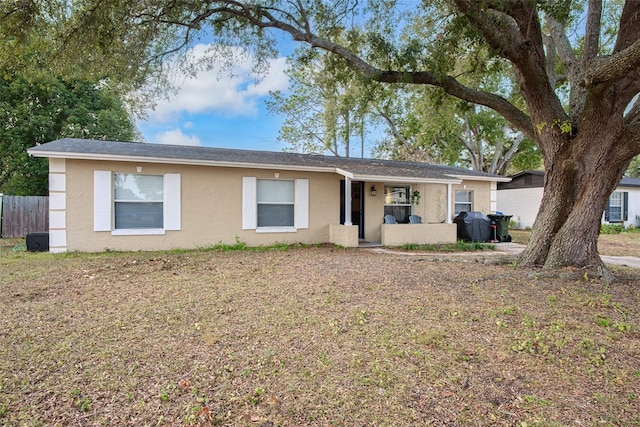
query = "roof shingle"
{"x": 109, "y": 150}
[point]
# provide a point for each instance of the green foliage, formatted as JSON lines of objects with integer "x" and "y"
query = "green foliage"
{"x": 82, "y": 403}
{"x": 415, "y": 198}
{"x": 633, "y": 171}
{"x": 240, "y": 245}
{"x": 327, "y": 107}
{"x": 474, "y": 246}
{"x": 634, "y": 228}
{"x": 83, "y": 40}
{"x": 612, "y": 228}
{"x": 42, "y": 109}
{"x": 427, "y": 125}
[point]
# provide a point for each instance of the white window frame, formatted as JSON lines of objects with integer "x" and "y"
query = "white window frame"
{"x": 250, "y": 207}
{"x": 104, "y": 206}
{"x": 456, "y": 203}
{"x": 159, "y": 202}
{"x": 616, "y": 195}
{"x": 291, "y": 203}
{"x": 408, "y": 191}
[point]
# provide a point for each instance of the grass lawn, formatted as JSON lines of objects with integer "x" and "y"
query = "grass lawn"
{"x": 312, "y": 337}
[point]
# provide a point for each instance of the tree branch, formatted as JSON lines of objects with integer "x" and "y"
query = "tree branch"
{"x": 614, "y": 67}
{"x": 562, "y": 44}
{"x": 505, "y": 159}
{"x": 493, "y": 168}
{"x": 592, "y": 32}
{"x": 629, "y": 28}
{"x": 500, "y": 29}
{"x": 263, "y": 19}
{"x": 632, "y": 118}
{"x": 520, "y": 40}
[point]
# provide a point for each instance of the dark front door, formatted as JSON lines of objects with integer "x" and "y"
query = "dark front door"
{"x": 357, "y": 205}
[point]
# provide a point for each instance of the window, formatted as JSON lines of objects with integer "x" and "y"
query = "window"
{"x": 464, "y": 201}
{"x": 138, "y": 201}
{"x": 275, "y": 205}
{"x": 616, "y": 210}
{"x": 397, "y": 202}
{"x": 136, "y": 204}
{"x": 276, "y": 202}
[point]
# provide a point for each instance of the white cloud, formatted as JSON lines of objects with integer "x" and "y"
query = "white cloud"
{"x": 215, "y": 91}
{"x": 176, "y": 137}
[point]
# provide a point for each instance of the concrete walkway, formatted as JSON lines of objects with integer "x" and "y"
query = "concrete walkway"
{"x": 512, "y": 249}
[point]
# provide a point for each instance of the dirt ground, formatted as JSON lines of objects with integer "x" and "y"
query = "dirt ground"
{"x": 312, "y": 337}
{"x": 622, "y": 244}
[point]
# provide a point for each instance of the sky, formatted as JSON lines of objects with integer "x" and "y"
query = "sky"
{"x": 214, "y": 109}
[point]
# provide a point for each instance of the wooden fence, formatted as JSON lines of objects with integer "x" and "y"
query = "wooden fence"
{"x": 24, "y": 214}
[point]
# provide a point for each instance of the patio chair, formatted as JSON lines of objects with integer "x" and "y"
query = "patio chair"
{"x": 390, "y": 219}
{"x": 415, "y": 219}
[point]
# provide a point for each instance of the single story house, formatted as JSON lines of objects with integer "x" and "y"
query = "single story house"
{"x": 107, "y": 195}
{"x": 521, "y": 197}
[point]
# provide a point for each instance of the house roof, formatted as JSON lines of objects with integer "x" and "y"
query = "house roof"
{"x": 357, "y": 169}
{"x": 629, "y": 182}
{"x": 516, "y": 181}
{"x": 528, "y": 172}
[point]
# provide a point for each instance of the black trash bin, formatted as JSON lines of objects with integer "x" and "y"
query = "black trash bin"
{"x": 38, "y": 242}
{"x": 473, "y": 226}
{"x": 502, "y": 226}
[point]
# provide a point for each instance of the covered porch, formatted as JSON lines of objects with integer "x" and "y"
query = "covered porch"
{"x": 366, "y": 199}
{"x": 394, "y": 235}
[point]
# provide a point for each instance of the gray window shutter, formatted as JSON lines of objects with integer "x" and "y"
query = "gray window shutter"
{"x": 625, "y": 203}
{"x": 607, "y": 209}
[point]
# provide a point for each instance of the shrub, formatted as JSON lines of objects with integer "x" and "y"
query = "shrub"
{"x": 611, "y": 228}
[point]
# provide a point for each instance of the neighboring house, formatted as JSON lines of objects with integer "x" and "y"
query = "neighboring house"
{"x": 522, "y": 197}
{"x": 136, "y": 196}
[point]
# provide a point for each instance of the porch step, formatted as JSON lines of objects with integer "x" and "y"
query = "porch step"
{"x": 365, "y": 244}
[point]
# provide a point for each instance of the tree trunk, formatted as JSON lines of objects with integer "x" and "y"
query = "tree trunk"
{"x": 578, "y": 182}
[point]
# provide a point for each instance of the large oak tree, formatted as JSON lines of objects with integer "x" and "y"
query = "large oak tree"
{"x": 578, "y": 96}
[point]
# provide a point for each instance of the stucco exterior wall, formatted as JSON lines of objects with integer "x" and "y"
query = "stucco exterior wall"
{"x": 429, "y": 234}
{"x": 211, "y": 207}
{"x": 482, "y": 196}
{"x": 344, "y": 235}
{"x": 433, "y": 203}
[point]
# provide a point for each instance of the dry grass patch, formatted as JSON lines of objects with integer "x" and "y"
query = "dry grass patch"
{"x": 311, "y": 336}
{"x": 622, "y": 244}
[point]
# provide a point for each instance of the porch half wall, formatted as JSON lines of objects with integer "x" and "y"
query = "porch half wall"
{"x": 421, "y": 234}
{"x": 343, "y": 235}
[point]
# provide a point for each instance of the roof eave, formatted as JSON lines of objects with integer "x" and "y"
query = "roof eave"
{"x": 482, "y": 178}
{"x": 390, "y": 178}
{"x": 191, "y": 162}
{"x": 453, "y": 179}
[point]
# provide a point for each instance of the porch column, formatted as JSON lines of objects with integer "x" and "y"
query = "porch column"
{"x": 449, "y": 186}
{"x": 347, "y": 201}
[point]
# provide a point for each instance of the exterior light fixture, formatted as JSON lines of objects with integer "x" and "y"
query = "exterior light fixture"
{"x": 373, "y": 190}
